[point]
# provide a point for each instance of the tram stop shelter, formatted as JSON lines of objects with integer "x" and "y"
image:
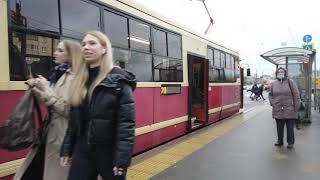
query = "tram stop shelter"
{"x": 298, "y": 63}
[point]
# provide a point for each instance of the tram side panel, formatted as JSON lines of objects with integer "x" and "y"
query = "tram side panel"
{"x": 9, "y": 100}
{"x": 144, "y": 101}
{"x": 230, "y": 101}
{"x": 170, "y": 109}
{"x": 214, "y": 103}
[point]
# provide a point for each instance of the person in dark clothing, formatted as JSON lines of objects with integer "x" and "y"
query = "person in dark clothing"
{"x": 259, "y": 94}
{"x": 253, "y": 90}
{"x": 100, "y": 135}
{"x": 18, "y": 66}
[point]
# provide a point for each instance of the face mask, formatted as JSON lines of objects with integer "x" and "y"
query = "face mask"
{"x": 280, "y": 76}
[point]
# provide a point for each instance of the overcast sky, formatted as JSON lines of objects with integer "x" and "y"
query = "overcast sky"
{"x": 250, "y": 26}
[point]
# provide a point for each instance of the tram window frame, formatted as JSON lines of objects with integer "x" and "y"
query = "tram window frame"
{"x": 232, "y": 61}
{"x": 174, "y": 47}
{"x": 23, "y": 19}
{"x": 28, "y": 59}
{"x": 163, "y": 51}
{"x": 216, "y": 58}
{"x": 170, "y": 74}
{"x": 124, "y": 59}
{"x": 228, "y": 61}
{"x": 84, "y": 5}
{"x": 124, "y": 43}
{"x": 223, "y": 59}
{"x": 210, "y": 56}
{"x": 138, "y": 39}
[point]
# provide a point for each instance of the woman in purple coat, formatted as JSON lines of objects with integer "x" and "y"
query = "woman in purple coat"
{"x": 285, "y": 101}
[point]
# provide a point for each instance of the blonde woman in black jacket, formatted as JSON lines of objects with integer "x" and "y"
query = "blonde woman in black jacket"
{"x": 100, "y": 135}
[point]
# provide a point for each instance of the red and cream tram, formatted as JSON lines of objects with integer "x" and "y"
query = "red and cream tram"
{"x": 185, "y": 80}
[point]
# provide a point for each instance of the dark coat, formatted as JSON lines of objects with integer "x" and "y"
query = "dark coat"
{"x": 111, "y": 117}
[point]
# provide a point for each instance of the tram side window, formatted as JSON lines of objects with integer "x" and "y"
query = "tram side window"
{"x": 233, "y": 67}
{"x": 229, "y": 75}
{"x": 232, "y": 62}
{"x": 167, "y": 70}
{"x": 30, "y": 54}
{"x": 159, "y": 42}
{"x": 116, "y": 27}
{"x": 78, "y": 17}
{"x": 35, "y": 14}
{"x": 228, "y": 61}
{"x": 210, "y": 57}
{"x": 217, "y": 59}
{"x": 139, "y": 36}
{"x": 223, "y": 60}
{"x": 137, "y": 62}
{"x": 236, "y": 62}
{"x": 174, "y": 46}
{"x": 229, "y": 70}
{"x": 215, "y": 74}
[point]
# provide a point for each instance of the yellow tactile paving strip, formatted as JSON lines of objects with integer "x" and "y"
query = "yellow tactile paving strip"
{"x": 158, "y": 163}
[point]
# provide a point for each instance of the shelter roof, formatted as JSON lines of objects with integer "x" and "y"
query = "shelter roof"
{"x": 293, "y": 54}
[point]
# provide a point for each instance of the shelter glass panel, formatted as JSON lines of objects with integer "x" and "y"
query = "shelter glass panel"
{"x": 79, "y": 17}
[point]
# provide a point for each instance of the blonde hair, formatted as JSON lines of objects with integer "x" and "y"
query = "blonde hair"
{"x": 82, "y": 72}
{"x": 73, "y": 49}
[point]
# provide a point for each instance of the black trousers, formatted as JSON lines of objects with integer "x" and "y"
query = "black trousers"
{"x": 89, "y": 161}
{"x": 290, "y": 130}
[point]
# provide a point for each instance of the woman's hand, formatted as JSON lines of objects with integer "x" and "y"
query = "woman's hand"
{"x": 118, "y": 171}
{"x": 65, "y": 161}
{"x": 42, "y": 90}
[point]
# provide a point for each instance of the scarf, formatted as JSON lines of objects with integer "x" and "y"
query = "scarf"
{"x": 57, "y": 72}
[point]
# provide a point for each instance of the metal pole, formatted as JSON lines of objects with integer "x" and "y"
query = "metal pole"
{"x": 314, "y": 80}
{"x": 287, "y": 60}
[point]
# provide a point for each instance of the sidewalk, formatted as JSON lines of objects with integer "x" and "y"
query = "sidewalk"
{"x": 247, "y": 152}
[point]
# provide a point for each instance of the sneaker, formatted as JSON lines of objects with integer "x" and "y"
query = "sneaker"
{"x": 278, "y": 144}
{"x": 290, "y": 146}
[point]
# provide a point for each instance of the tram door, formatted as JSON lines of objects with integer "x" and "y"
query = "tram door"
{"x": 198, "y": 91}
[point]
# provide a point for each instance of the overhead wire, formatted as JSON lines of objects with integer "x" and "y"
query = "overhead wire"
{"x": 211, "y": 19}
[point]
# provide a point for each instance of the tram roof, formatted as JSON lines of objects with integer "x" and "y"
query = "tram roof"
{"x": 147, "y": 11}
{"x": 293, "y": 54}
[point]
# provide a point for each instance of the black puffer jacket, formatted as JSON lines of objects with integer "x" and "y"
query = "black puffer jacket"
{"x": 111, "y": 118}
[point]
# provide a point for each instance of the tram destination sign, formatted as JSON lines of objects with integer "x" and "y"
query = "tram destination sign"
{"x": 170, "y": 89}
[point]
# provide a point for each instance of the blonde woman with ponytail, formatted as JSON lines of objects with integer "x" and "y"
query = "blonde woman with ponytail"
{"x": 100, "y": 135}
{"x": 53, "y": 93}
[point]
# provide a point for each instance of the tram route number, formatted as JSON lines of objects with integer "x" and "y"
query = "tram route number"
{"x": 170, "y": 89}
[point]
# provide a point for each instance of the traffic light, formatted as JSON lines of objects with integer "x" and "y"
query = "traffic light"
{"x": 248, "y": 72}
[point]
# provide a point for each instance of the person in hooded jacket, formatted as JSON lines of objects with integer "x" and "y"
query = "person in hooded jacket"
{"x": 43, "y": 162}
{"x": 285, "y": 101}
{"x": 100, "y": 135}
